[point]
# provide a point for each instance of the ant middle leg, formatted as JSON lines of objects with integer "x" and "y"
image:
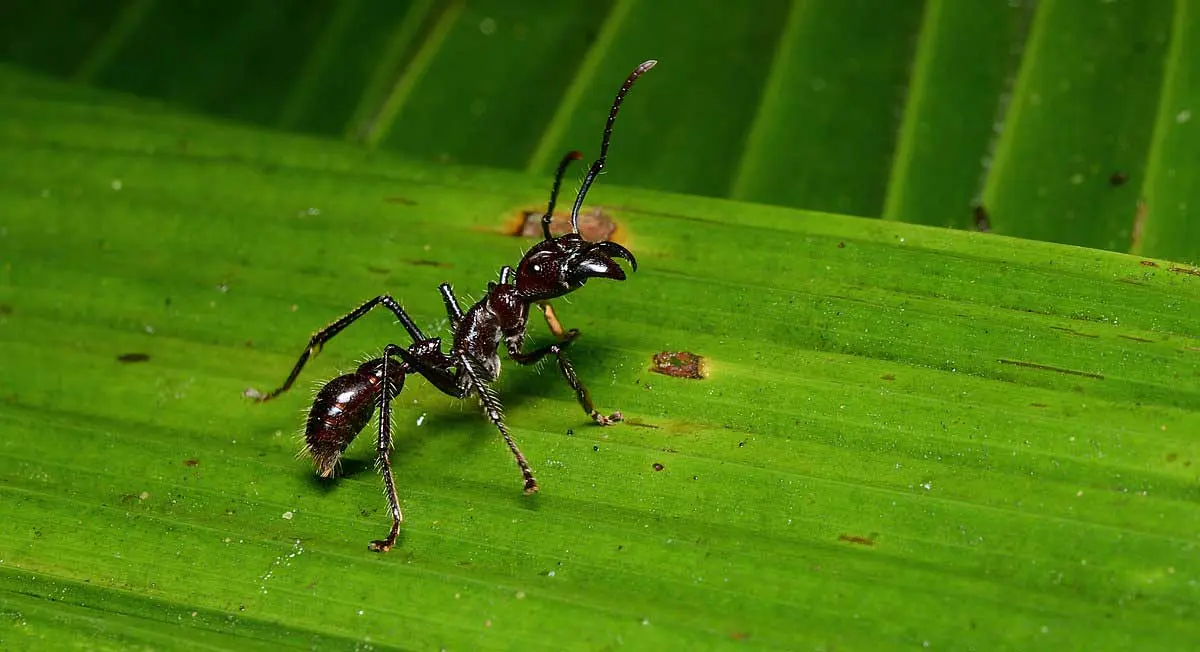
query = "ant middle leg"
{"x": 564, "y": 365}
{"x": 322, "y": 336}
{"x": 495, "y": 414}
{"x": 435, "y": 367}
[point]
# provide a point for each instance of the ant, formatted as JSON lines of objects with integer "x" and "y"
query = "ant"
{"x": 552, "y": 268}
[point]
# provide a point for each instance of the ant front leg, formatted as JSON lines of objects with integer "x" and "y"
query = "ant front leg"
{"x": 325, "y": 334}
{"x": 564, "y": 364}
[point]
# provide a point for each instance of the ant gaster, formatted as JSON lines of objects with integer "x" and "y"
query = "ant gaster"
{"x": 551, "y": 268}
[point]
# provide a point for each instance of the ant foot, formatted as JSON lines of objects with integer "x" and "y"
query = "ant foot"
{"x": 382, "y": 546}
{"x": 531, "y": 487}
{"x": 606, "y": 420}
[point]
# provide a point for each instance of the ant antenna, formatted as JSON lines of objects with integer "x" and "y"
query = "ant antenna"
{"x": 558, "y": 177}
{"x": 598, "y": 165}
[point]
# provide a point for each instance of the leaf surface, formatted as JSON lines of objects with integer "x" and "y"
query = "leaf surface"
{"x": 908, "y": 437}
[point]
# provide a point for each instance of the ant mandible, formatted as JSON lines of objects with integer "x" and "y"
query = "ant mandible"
{"x": 552, "y": 268}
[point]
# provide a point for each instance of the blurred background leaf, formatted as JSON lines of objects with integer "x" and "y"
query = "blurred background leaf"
{"x": 1060, "y": 120}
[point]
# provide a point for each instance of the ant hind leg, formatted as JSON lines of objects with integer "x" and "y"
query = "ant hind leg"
{"x": 321, "y": 337}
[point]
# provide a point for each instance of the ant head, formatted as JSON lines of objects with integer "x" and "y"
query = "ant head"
{"x": 560, "y": 265}
{"x": 556, "y": 266}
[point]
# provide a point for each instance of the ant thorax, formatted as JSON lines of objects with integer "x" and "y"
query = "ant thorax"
{"x": 502, "y": 313}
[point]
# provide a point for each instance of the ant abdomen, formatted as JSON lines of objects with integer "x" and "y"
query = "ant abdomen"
{"x": 343, "y": 408}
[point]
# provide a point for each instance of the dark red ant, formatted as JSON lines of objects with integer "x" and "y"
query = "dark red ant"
{"x": 552, "y": 268}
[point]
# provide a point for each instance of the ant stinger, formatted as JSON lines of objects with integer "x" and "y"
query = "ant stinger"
{"x": 552, "y": 268}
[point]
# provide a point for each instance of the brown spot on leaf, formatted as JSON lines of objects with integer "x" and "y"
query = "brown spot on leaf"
{"x": 739, "y": 636}
{"x": 1038, "y": 405}
{"x": 1149, "y": 263}
{"x": 420, "y": 262}
{"x": 1171, "y": 457}
{"x": 1180, "y": 269}
{"x": 594, "y": 224}
{"x": 680, "y": 364}
{"x": 191, "y": 462}
{"x": 1118, "y": 178}
{"x": 841, "y": 245}
{"x": 888, "y": 376}
{"x": 1136, "y": 339}
{"x": 133, "y": 357}
{"x": 638, "y": 423}
{"x": 658, "y": 467}
{"x": 1073, "y": 332}
{"x": 1043, "y": 367}
{"x": 862, "y": 541}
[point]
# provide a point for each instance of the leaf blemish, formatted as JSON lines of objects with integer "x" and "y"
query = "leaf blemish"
{"x": 133, "y": 357}
{"x": 680, "y": 364}
{"x": 1073, "y": 332}
{"x": 638, "y": 423}
{"x": 862, "y": 541}
{"x": 1043, "y": 367}
{"x": 594, "y": 224}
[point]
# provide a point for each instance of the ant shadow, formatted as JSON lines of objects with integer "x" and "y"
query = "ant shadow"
{"x": 348, "y": 467}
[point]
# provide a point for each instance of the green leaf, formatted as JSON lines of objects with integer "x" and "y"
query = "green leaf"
{"x": 1081, "y": 115}
{"x": 908, "y": 437}
{"x": 1166, "y": 226}
{"x": 954, "y": 109}
{"x": 824, "y": 133}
